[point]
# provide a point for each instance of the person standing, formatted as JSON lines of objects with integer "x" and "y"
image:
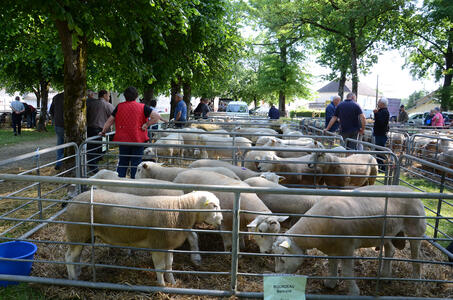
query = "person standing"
{"x": 180, "y": 112}
{"x": 17, "y": 109}
{"x": 274, "y": 113}
{"x": 402, "y": 116}
{"x": 330, "y": 111}
{"x": 132, "y": 120}
{"x": 352, "y": 120}
{"x": 98, "y": 111}
{"x": 56, "y": 111}
{"x": 202, "y": 109}
{"x": 438, "y": 119}
{"x": 381, "y": 127}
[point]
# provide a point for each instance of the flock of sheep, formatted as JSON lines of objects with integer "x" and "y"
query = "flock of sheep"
{"x": 135, "y": 209}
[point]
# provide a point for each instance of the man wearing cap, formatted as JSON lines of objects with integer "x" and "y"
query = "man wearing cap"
{"x": 180, "y": 112}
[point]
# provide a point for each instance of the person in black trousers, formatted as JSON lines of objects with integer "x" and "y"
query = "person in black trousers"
{"x": 380, "y": 128}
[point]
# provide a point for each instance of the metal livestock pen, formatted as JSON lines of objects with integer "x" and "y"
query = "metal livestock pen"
{"x": 224, "y": 273}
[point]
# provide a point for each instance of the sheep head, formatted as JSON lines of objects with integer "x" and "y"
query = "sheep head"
{"x": 285, "y": 246}
{"x": 272, "y": 177}
{"x": 208, "y": 201}
{"x": 265, "y": 224}
{"x": 267, "y": 166}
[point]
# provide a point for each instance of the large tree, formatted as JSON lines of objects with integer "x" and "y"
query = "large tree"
{"x": 361, "y": 25}
{"x": 30, "y": 57}
{"x": 429, "y": 33}
{"x": 280, "y": 73}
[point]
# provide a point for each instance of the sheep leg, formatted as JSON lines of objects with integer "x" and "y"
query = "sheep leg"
{"x": 389, "y": 252}
{"x": 348, "y": 271}
{"x": 333, "y": 271}
{"x": 227, "y": 239}
{"x": 192, "y": 238}
{"x": 415, "y": 254}
{"x": 73, "y": 255}
{"x": 159, "y": 261}
{"x": 169, "y": 266}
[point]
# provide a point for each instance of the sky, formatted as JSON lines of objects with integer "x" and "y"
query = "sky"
{"x": 394, "y": 81}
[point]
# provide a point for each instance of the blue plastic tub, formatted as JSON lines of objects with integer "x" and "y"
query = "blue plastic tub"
{"x": 18, "y": 250}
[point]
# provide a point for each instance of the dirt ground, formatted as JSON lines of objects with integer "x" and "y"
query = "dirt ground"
{"x": 221, "y": 263}
{"x": 27, "y": 147}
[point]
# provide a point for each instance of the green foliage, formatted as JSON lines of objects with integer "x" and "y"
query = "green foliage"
{"x": 304, "y": 113}
{"x": 29, "y": 52}
{"x": 414, "y": 97}
{"x": 428, "y": 37}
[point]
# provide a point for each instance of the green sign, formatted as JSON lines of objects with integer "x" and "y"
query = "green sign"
{"x": 284, "y": 287}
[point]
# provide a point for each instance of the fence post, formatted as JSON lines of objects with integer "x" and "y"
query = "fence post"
{"x": 439, "y": 205}
{"x": 235, "y": 242}
{"x": 38, "y": 173}
{"x": 381, "y": 248}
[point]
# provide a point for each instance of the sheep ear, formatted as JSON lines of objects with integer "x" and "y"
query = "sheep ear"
{"x": 281, "y": 178}
{"x": 285, "y": 244}
{"x": 207, "y": 202}
{"x": 145, "y": 165}
{"x": 160, "y": 164}
{"x": 253, "y": 224}
{"x": 282, "y": 218}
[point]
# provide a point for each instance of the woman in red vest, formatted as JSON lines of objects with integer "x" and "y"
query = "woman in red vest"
{"x": 132, "y": 120}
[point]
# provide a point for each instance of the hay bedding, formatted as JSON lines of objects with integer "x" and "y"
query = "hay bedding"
{"x": 247, "y": 264}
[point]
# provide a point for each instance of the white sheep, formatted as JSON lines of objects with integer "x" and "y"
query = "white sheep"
{"x": 107, "y": 174}
{"x": 157, "y": 171}
{"x": 253, "y": 158}
{"x": 143, "y": 238}
{"x": 353, "y": 207}
{"x": 149, "y": 169}
{"x": 282, "y": 203}
{"x": 295, "y": 169}
{"x": 242, "y": 172}
{"x": 249, "y": 202}
{"x": 211, "y": 140}
{"x": 167, "y": 152}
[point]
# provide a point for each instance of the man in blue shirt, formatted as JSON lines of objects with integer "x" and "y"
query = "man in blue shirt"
{"x": 330, "y": 111}
{"x": 274, "y": 113}
{"x": 352, "y": 120}
{"x": 180, "y": 112}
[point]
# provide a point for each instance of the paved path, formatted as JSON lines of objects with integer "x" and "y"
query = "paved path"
{"x": 26, "y": 147}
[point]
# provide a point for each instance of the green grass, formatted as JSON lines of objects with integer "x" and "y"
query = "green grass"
{"x": 21, "y": 292}
{"x": 446, "y": 210}
{"x": 28, "y": 135}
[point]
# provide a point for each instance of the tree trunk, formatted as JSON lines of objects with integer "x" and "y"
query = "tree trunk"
{"x": 352, "y": 41}
{"x": 341, "y": 84}
{"x": 187, "y": 90}
{"x": 148, "y": 94}
{"x": 175, "y": 88}
{"x": 74, "y": 84}
{"x": 281, "y": 92}
{"x": 255, "y": 101}
{"x": 446, "y": 93}
{"x": 44, "y": 96}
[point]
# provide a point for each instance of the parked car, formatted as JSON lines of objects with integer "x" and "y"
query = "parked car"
{"x": 237, "y": 108}
{"x": 417, "y": 118}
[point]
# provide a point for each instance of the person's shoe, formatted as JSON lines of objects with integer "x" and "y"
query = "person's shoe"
{"x": 58, "y": 168}
{"x": 15, "y": 134}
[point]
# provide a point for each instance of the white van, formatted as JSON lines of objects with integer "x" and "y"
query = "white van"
{"x": 238, "y": 108}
